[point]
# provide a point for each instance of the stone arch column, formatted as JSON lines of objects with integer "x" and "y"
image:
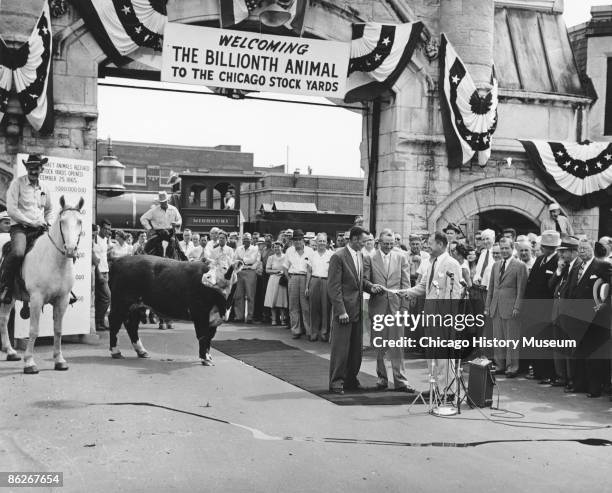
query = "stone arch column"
{"x": 489, "y": 194}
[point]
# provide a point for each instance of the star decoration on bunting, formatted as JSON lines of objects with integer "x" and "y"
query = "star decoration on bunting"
{"x": 455, "y": 79}
{"x": 608, "y": 157}
{"x": 126, "y": 10}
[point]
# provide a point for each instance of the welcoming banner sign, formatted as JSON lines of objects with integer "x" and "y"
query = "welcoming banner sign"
{"x": 254, "y": 62}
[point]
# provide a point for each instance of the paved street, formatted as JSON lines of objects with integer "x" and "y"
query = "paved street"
{"x": 65, "y": 422}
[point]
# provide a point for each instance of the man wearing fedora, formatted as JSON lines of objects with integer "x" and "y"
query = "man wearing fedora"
{"x": 453, "y": 234}
{"x": 297, "y": 259}
{"x": 537, "y": 305}
{"x": 557, "y": 222}
{"x": 30, "y": 208}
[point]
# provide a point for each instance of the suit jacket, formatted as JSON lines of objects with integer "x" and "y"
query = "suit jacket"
{"x": 443, "y": 286}
{"x": 506, "y": 292}
{"x": 561, "y": 285}
{"x": 344, "y": 288}
{"x": 538, "y": 287}
{"x": 578, "y": 307}
{"x": 396, "y": 277}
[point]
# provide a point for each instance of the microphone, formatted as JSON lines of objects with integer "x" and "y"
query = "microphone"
{"x": 450, "y": 274}
{"x": 463, "y": 283}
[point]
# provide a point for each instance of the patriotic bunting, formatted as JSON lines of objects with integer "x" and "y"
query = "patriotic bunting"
{"x": 379, "y": 54}
{"x": 235, "y": 11}
{"x": 469, "y": 119}
{"x": 122, "y": 26}
{"x": 28, "y": 69}
{"x": 578, "y": 174}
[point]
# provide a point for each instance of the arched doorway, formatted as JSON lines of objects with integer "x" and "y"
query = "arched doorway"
{"x": 495, "y": 203}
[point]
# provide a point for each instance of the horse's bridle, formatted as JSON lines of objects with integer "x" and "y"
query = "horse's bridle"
{"x": 64, "y": 252}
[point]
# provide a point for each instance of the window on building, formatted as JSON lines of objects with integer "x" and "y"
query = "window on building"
{"x": 164, "y": 175}
{"x": 608, "y": 108}
{"x": 135, "y": 176}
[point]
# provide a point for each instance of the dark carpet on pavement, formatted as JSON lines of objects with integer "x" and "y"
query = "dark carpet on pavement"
{"x": 306, "y": 371}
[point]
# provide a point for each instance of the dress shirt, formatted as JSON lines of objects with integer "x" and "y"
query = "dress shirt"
{"x": 320, "y": 263}
{"x": 195, "y": 253}
{"x": 356, "y": 260}
{"x": 186, "y": 247}
{"x": 100, "y": 248}
{"x": 210, "y": 244}
{"x": 415, "y": 268}
{"x": 295, "y": 263}
{"x": 27, "y": 203}
{"x": 584, "y": 267}
{"x": 385, "y": 258}
{"x": 161, "y": 219}
{"x": 483, "y": 273}
{"x": 221, "y": 251}
{"x": 249, "y": 256}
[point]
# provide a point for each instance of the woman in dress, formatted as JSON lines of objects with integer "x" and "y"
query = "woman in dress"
{"x": 276, "y": 293}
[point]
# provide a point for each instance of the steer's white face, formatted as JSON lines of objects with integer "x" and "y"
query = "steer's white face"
{"x": 217, "y": 273}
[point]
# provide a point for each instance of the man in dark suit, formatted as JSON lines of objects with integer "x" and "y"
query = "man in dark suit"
{"x": 345, "y": 291}
{"x": 537, "y": 305}
{"x": 564, "y": 282}
{"x": 582, "y": 317}
{"x": 503, "y": 305}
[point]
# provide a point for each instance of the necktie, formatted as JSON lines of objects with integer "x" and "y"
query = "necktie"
{"x": 386, "y": 263}
{"x": 431, "y": 274}
{"x": 581, "y": 270}
{"x": 503, "y": 269}
{"x": 484, "y": 264}
{"x": 557, "y": 226}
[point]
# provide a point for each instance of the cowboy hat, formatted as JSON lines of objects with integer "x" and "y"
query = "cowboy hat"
{"x": 35, "y": 160}
{"x": 4, "y": 216}
{"x": 554, "y": 206}
{"x": 298, "y": 234}
{"x": 162, "y": 197}
{"x": 550, "y": 238}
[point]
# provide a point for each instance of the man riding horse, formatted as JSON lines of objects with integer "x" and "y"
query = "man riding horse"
{"x": 163, "y": 220}
{"x": 29, "y": 205}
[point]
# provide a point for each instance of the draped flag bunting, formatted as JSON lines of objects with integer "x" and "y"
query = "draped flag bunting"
{"x": 578, "y": 174}
{"x": 235, "y": 11}
{"x": 379, "y": 54}
{"x": 469, "y": 119}
{"x": 28, "y": 70}
{"x": 122, "y": 26}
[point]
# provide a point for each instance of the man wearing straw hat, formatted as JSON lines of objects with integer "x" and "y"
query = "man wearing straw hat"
{"x": 557, "y": 222}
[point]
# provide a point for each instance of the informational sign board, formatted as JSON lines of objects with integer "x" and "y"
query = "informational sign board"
{"x": 255, "y": 62}
{"x": 72, "y": 178}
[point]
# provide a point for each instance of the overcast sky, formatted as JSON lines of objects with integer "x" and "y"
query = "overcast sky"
{"x": 327, "y": 139}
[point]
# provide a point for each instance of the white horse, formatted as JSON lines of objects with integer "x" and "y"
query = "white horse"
{"x": 48, "y": 275}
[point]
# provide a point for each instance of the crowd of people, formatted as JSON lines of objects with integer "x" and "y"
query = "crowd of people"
{"x": 524, "y": 285}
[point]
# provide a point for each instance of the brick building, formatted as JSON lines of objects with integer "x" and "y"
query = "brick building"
{"x": 591, "y": 42}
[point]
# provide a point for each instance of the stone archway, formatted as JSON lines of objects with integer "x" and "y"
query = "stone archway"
{"x": 490, "y": 194}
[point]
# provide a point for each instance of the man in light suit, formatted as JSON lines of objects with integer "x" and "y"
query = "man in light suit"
{"x": 440, "y": 285}
{"x": 503, "y": 305}
{"x": 390, "y": 269}
{"x": 345, "y": 291}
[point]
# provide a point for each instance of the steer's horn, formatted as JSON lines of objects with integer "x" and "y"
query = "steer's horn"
{"x": 228, "y": 274}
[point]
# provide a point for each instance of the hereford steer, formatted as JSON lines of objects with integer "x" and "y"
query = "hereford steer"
{"x": 189, "y": 291}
